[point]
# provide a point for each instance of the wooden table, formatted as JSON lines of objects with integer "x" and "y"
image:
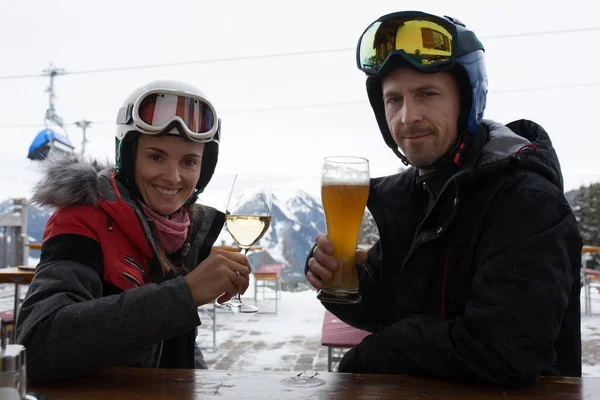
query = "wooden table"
{"x": 18, "y": 277}
{"x": 590, "y": 249}
{"x": 154, "y": 384}
{"x": 34, "y": 246}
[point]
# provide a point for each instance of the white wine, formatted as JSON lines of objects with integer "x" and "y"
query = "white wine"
{"x": 247, "y": 229}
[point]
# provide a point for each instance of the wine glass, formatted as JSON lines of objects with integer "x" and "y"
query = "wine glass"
{"x": 247, "y": 218}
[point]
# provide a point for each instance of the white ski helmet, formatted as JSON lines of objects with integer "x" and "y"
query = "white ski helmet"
{"x": 167, "y": 108}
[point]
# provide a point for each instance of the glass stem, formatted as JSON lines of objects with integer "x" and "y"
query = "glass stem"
{"x": 239, "y": 296}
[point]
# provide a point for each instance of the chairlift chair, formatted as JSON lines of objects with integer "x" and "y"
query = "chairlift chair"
{"x": 48, "y": 142}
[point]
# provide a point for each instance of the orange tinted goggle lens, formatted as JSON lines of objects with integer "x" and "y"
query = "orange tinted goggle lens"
{"x": 424, "y": 42}
{"x": 158, "y": 109}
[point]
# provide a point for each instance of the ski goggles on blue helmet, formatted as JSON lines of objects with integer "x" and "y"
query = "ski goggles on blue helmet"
{"x": 164, "y": 111}
{"x": 426, "y": 43}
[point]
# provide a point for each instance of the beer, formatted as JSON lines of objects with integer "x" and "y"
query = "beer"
{"x": 344, "y": 206}
{"x": 344, "y": 193}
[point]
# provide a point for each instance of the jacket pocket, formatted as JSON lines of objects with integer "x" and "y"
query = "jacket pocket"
{"x": 125, "y": 273}
{"x": 130, "y": 261}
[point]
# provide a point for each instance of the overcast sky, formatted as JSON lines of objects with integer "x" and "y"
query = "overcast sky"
{"x": 272, "y": 124}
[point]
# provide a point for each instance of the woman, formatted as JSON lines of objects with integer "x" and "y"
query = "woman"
{"x": 126, "y": 257}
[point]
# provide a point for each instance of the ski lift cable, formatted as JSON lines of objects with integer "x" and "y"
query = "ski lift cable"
{"x": 281, "y": 55}
{"x": 320, "y": 105}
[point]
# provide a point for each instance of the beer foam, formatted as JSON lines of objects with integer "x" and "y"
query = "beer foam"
{"x": 358, "y": 179}
{"x": 345, "y": 173}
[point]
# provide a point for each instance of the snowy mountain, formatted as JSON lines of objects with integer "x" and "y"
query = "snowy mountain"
{"x": 295, "y": 222}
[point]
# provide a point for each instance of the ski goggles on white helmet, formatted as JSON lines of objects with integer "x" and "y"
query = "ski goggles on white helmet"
{"x": 169, "y": 111}
{"x": 423, "y": 41}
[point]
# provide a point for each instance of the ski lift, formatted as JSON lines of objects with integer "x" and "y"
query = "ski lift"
{"x": 48, "y": 142}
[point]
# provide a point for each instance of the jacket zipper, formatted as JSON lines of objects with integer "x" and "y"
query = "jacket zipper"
{"x": 147, "y": 233}
{"x": 131, "y": 279}
{"x": 153, "y": 247}
{"x": 416, "y": 243}
{"x": 443, "y": 306}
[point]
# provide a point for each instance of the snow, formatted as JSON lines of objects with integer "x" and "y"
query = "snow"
{"x": 591, "y": 370}
{"x": 282, "y": 205}
{"x": 266, "y": 341}
{"x": 303, "y": 203}
{"x": 299, "y": 313}
{"x": 275, "y": 249}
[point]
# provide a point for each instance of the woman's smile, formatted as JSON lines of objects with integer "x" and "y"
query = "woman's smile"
{"x": 166, "y": 192}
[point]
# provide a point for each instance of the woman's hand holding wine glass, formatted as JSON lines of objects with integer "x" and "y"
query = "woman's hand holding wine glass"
{"x": 221, "y": 275}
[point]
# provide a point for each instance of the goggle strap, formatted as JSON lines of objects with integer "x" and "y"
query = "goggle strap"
{"x": 129, "y": 114}
{"x": 194, "y": 196}
{"x": 125, "y": 115}
{"x": 217, "y": 135}
{"x": 468, "y": 43}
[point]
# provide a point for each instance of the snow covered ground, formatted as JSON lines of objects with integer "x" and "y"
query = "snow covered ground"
{"x": 290, "y": 339}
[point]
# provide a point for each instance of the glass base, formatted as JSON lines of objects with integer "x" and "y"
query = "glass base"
{"x": 340, "y": 296}
{"x": 237, "y": 307}
{"x": 247, "y": 308}
{"x": 302, "y": 380}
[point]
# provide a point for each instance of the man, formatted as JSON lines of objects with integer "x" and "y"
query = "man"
{"x": 476, "y": 273}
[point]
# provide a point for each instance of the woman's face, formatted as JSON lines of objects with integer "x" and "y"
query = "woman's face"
{"x": 167, "y": 169}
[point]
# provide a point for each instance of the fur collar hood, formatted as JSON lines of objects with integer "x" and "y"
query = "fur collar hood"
{"x": 69, "y": 180}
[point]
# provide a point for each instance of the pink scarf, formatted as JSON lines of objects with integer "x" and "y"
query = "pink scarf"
{"x": 170, "y": 232}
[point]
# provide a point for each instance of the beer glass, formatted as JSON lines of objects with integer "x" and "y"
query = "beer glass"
{"x": 344, "y": 193}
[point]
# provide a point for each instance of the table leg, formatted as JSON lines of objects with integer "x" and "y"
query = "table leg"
{"x": 214, "y": 327}
{"x": 16, "y": 312}
{"x": 255, "y": 289}
{"x": 276, "y": 292}
{"x": 588, "y": 299}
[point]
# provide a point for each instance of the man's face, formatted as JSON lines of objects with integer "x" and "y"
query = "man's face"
{"x": 422, "y": 112}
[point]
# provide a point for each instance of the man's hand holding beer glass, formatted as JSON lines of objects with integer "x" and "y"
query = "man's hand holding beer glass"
{"x": 322, "y": 265}
{"x": 344, "y": 192}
